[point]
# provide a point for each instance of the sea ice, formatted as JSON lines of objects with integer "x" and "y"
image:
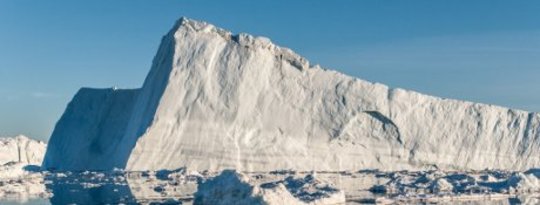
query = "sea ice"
{"x": 231, "y": 187}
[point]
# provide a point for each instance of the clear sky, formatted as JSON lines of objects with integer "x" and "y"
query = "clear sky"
{"x": 485, "y": 50}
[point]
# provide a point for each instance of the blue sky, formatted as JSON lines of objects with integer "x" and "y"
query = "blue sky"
{"x": 486, "y": 50}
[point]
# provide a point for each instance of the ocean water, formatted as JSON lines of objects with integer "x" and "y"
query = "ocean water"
{"x": 40, "y": 201}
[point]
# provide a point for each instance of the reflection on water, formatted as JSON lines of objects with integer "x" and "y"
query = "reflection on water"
{"x": 510, "y": 201}
{"x": 76, "y": 193}
{"x": 86, "y": 196}
{"x": 162, "y": 187}
{"x": 36, "y": 201}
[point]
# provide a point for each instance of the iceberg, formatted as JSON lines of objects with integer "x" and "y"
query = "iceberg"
{"x": 214, "y": 100}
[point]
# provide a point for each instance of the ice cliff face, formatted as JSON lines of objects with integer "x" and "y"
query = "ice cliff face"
{"x": 214, "y": 100}
{"x": 89, "y": 134}
{"x": 21, "y": 149}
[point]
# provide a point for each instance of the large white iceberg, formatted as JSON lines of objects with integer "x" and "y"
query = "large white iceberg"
{"x": 215, "y": 101}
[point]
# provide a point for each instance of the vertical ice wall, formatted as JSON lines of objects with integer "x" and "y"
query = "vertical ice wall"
{"x": 89, "y": 134}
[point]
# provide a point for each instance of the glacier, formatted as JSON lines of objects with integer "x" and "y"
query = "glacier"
{"x": 214, "y": 100}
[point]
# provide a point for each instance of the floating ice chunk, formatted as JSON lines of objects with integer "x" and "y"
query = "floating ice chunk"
{"x": 231, "y": 187}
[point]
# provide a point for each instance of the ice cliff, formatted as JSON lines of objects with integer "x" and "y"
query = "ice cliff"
{"x": 89, "y": 134}
{"x": 214, "y": 101}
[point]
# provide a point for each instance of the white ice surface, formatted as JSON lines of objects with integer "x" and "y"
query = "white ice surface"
{"x": 21, "y": 149}
{"x": 215, "y": 101}
{"x": 231, "y": 187}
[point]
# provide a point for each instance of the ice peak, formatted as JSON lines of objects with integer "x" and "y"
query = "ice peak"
{"x": 192, "y": 25}
{"x": 187, "y": 25}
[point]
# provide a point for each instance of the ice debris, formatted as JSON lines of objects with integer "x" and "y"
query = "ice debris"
{"x": 231, "y": 187}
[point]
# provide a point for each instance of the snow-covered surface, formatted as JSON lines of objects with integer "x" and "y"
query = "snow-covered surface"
{"x": 215, "y": 101}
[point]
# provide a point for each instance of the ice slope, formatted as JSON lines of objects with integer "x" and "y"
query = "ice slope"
{"x": 21, "y": 149}
{"x": 89, "y": 134}
{"x": 214, "y": 101}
